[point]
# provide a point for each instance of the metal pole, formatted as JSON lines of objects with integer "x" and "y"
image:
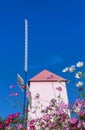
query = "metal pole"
{"x": 24, "y": 104}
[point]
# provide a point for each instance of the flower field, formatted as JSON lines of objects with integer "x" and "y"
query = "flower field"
{"x": 57, "y": 115}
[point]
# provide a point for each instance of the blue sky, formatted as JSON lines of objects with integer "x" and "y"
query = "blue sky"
{"x": 56, "y": 40}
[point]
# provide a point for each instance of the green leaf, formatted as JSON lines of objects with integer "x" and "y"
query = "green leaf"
{"x": 1, "y": 120}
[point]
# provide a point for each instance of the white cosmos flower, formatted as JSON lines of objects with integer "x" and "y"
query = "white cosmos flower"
{"x": 79, "y": 64}
{"x": 78, "y": 75}
{"x": 72, "y": 68}
{"x": 79, "y": 84}
{"x": 66, "y": 69}
{"x": 77, "y": 110}
{"x": 47, "y": 128}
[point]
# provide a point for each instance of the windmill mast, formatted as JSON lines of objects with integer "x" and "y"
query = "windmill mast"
{"x": 26, "y": 46}
{"x": 25, "y": 69}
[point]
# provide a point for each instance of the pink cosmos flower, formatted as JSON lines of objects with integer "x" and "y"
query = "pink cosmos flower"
{"x": 73, "y": 120}
{"x": 11, "y": 116}
{"x": 67, "y": 106}
{"x": 27, "y": 110}
{"x": 17, "y": 94}
{"x": 83, "y": 124}
{"x": 7, "y": 121}
{"x": 17, "y": 114}
{"x": 23, "y": 87}
{"x": 31, "y": 122}
{"x": 79, "y": 124}
{"x": 12, "y": 94}
{"x": 28, "y": 94}
{"x": 32, "y": 127}
{"x": 19, "y": 126}
{"x": 50, "y": 77}
{"x": 52, "y": 125}
{"x": 37, "y": 96}
{"x": 11, "y": 86}
{"x": 1, "y": 125}
{"x": 59, "y": 88}
{"x": 46, "y": 117}
{"x": 82, "y": 113}
{"x": 8, "y": 127}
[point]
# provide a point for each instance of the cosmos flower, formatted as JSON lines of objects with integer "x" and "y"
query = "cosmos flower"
{"x": 12, "y": 94}
{"x": 20, "y": 126}
{"x": 78, "y": 75}
{"x": 11, "y": 86}
{"x": 66, "y": 69}
{"x": 11, "y": 116}
{"x": 23, "y": 87}
{"x": 7, "y": 121}
{"x": 82, "y": 114}
{"x": 83, "y": 124}
{"x": 16, "y": 94}
{"x": 77, "y": 110}
{"x": 31, "y": 122}
{"x": 1, "y": 125}
{"x": 53, "y": 101}
{"x": 59, "y": 88}
{"x": 46, "y": 117}
{"x": 72, "y": 68}
{"x": 73, "y": 120}
{"x": 27, "y": 110}
{"x": 17, "y": 114}
{"x": 79, "y": 84}
{"x": 79, "y": 124}
{"x": 37, "y": 96}
{"x": 9, "y": 127}
{"x": 28, "y": 94}
{"x": 32, "y": 127}
{"x": 80, "y": 64}
{"x": 50, "y": 77}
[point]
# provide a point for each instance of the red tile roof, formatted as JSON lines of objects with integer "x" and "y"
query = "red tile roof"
{"x": 46, "y": 76}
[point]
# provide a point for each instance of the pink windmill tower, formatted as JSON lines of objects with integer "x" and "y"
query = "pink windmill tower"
{"x": 46, "y": 85}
